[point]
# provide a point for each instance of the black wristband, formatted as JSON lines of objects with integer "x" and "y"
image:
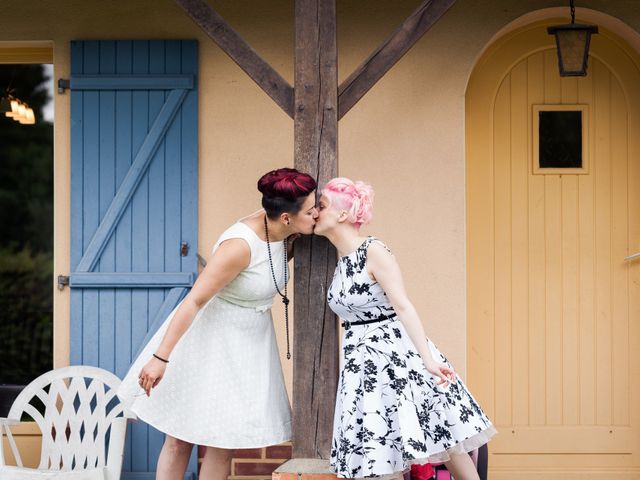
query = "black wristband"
{"x": 161, "y": 359}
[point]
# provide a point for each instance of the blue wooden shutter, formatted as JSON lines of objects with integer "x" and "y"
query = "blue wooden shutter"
{"x": 134, "y": 198}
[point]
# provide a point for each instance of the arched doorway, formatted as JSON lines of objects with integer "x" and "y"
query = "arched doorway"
{"x": 553, "y": 307}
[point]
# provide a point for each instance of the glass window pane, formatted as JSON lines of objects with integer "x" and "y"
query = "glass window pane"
{"x": 560, "y": 137}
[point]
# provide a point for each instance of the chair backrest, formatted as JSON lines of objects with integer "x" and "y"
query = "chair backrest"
{"x": 74, "y": 408}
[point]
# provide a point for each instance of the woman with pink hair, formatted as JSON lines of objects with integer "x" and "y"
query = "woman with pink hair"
{"x": 399, "y": 400}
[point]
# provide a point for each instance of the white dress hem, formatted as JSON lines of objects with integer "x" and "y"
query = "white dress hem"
{"x": 284, "y": 435}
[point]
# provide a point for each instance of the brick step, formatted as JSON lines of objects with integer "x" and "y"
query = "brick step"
{"x": 318, "y": 469}
{"x": 256, "y": 463}
{"x": 250, "y": 467}
{"x": 241, "y": 477}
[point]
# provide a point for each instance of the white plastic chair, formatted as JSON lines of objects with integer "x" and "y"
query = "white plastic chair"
{"x": 81, "y": 411}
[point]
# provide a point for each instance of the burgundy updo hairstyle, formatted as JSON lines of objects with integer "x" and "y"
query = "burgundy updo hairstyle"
{"x": 284, "y": 190}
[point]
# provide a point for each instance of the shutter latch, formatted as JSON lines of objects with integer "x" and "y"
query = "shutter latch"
{"x": 184, "y": 249}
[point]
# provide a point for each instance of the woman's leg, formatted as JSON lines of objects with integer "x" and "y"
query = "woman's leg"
{"x": 173, "y": 459}
{"x": 216, "y": 464}
{"x": 461, "y": 467}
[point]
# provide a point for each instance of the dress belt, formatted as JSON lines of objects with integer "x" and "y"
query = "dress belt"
{"x": 347, "y": 324}
{"x": 245, "y": 304}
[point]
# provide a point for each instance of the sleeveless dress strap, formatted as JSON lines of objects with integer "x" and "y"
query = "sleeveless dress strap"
{"x": 370, "y": 240}
{"x": 237, "y": 230}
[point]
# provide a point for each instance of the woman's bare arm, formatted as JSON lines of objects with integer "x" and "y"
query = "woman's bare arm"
{"x": 386, "y": 271}
{"x": 231, "y": 257}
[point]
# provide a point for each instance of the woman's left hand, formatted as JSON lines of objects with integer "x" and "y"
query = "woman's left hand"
{"x": 445, "y": 374}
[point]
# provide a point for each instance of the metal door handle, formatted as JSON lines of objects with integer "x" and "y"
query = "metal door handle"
{"x": 631, "y": 257}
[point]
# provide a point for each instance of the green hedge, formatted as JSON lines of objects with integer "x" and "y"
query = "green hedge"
{"x": 26, "y": 315}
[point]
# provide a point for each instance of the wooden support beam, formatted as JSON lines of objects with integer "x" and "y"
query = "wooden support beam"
{"x": 315, "y": 357}
{"x": 240, "y": 52}
{"x": 389, "y": 52}
{"x": 316, "y": 104}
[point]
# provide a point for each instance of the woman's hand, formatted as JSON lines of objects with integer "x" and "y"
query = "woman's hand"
{"x": 230, "y": 258}
{"x": 151, "y": 374}
{"x": 445, "y": 374}
{"x": 386, "y": 272}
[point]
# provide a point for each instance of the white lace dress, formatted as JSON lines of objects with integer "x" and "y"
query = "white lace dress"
{"x": 224, "y": 385}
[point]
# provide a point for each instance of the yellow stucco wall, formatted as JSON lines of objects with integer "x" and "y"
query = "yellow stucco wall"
{"x": 406, "y": 136}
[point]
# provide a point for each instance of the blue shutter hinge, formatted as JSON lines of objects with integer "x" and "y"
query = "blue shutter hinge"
{"x": 63, "y": 280}
{"x": 63, "y": 84}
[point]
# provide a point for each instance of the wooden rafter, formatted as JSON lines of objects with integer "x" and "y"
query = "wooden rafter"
{"x": 389, "y": 52}
{"x": 241, "y": 52}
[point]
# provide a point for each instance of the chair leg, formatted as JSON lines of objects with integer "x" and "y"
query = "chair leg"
{"x": 116, "y": 447}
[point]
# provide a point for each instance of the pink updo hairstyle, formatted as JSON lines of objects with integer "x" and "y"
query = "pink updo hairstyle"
{"x": 284, "y": 190}
{"x": 356, "y": 198}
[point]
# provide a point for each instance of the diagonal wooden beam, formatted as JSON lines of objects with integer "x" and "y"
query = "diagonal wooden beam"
{"x": 240, "y": 52}
{"x": 389, "y": 52}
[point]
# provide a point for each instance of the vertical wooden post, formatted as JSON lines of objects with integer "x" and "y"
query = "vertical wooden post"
{"x": 315, "y": 113}
{"x": 315, "y": 367}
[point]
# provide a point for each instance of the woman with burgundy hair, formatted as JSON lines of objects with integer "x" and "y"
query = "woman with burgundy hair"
{"x": 211, "y": 375}
{"x": 399, "y": 401}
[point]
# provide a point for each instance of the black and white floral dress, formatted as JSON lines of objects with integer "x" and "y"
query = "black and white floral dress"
{"x": 389, "y": 411}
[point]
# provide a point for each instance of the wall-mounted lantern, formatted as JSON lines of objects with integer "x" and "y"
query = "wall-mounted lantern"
{"x": 572, "y": 43}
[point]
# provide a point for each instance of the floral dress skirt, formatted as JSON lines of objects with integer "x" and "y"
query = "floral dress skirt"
{"x": 389, "y": 411}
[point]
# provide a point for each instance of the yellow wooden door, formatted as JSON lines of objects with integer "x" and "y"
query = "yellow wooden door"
{"x": 553, "y": 307}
